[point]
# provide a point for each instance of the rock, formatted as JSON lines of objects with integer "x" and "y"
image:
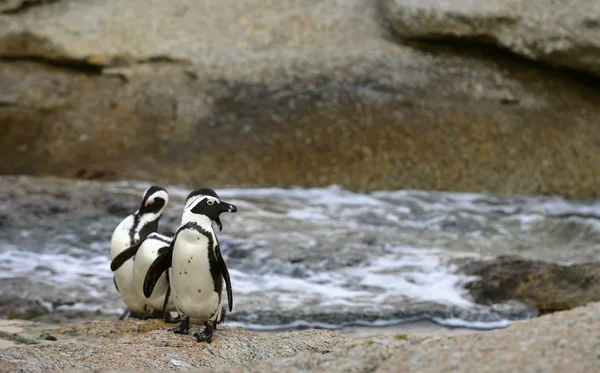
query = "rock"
{"x": 147, "y": 345}
{"x": 563, "y": 341}
{"x": 17, "y": 308}
{"x": 282, "y": 93}
{"x": 562, "y": 33}
{"x": 549, "y": 287}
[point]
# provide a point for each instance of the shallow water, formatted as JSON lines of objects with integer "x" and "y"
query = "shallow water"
{"x": 321, "y": 257}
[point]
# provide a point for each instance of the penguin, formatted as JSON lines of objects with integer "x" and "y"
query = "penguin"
{"x": 125, "y": 242}
{"x": 196, "y": 264}
{"x": 145, "y": 256}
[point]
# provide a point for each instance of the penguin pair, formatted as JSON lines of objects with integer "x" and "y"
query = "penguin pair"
{"x": 134, "y": 246}
{"x": 192, "y": 257}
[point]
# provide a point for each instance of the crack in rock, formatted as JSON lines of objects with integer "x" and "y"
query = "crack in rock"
{"x": 19, "y": 6}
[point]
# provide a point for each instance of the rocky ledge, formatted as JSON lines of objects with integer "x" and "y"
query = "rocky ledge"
{"x": 563, "y": 33}
{"x": 310, "y": 93}
{"x": 564, "y": 341}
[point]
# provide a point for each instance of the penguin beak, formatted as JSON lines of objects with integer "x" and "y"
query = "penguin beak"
{"x": 224, "y": 207}
{"x": 227, "y": 207}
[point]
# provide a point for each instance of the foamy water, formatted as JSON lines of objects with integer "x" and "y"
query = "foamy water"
{"x": 321, "y": 257}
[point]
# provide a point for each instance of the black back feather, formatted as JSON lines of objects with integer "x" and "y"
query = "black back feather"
{"x": 124, "y": 256}
{"x": 157, "y": 268}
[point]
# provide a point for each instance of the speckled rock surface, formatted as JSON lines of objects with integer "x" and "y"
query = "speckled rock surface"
{"x": 563, "y": 33}
{"x": 566, "y": 341}
{"x": 562, "y": 342}
{"x": 282, "y": 93}
{"x": 148, "y": 345}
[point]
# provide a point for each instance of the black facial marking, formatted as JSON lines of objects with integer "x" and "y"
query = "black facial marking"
{"x": 152, "y": 208}
{"x": 213, "y": 209}
{"x": 150, "y": 191}
{"x": 203, "y": 208}
{"x": 158, "y": 202}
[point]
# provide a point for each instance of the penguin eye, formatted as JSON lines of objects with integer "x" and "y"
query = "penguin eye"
{"x": 149, "y": 202}
{"x": 210, "y": 202}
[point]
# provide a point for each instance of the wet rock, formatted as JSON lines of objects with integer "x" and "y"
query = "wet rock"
{"x": 48, "y": 337}
{"x": 40, "y": 199}
{"x": 547, "y": 286}
{"x": 17, "y": 308}
{"x": 311, "y": 93}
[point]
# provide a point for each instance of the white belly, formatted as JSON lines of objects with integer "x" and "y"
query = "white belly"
{"x": 146, "y": 254}
{"x": 124, "y": 280}
{"x": 124, "y": 275}
{"x": 191, "y": 282}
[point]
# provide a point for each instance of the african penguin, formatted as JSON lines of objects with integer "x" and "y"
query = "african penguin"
{"x": 160, "y": 300}
{"x": 125, "y": 241}
{"x": 197, "y": 266}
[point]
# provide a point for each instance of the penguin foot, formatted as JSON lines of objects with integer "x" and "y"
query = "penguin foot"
{"x": 206, "y": 335}
{"x": 124, "y": 314}
{"x": 153, "y": 315}
{"x": 135, "y": 315}
{"x": 171, "y": 320}
{"x": 183, "y": 327}
{"x": 221, "y": 319}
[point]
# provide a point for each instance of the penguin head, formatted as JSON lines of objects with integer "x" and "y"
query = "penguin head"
{"x": 154, "y": 201}
{"x": 205, "y": 201}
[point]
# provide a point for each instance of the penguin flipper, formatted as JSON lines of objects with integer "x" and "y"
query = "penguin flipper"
{"x": 124, "y": 256}
{"x": 158, "y": 266}
{"x": 225, "y": 274}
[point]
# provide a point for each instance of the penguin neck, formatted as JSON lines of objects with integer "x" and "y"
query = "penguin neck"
{"x": 146, "y": 224}
{"x": 147, "y": 218}
{"x": 201, "y": 220}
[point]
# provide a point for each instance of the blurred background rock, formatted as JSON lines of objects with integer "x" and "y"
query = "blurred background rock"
{"x": 438, "y": 95}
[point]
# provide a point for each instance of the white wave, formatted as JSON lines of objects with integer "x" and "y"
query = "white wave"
{"x": 483, "y": 325}
{"x": 412, "y": 233}
{"x": 416, "y": 274}
{"x": 378, "y": 323}
{"x": 330, "y": 196}
{"x": 56, "y": 268}
{"x": 292, "y": 325}
{"x": 86, "y": 307}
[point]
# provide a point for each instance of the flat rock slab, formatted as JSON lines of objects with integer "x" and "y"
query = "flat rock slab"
{"x": 562, "y": 342}
{"x": 288, "y": 93}
{"x": 566, "y": 341}
{"x": 563, "y": 33}
{"x": 134, "y": 344}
